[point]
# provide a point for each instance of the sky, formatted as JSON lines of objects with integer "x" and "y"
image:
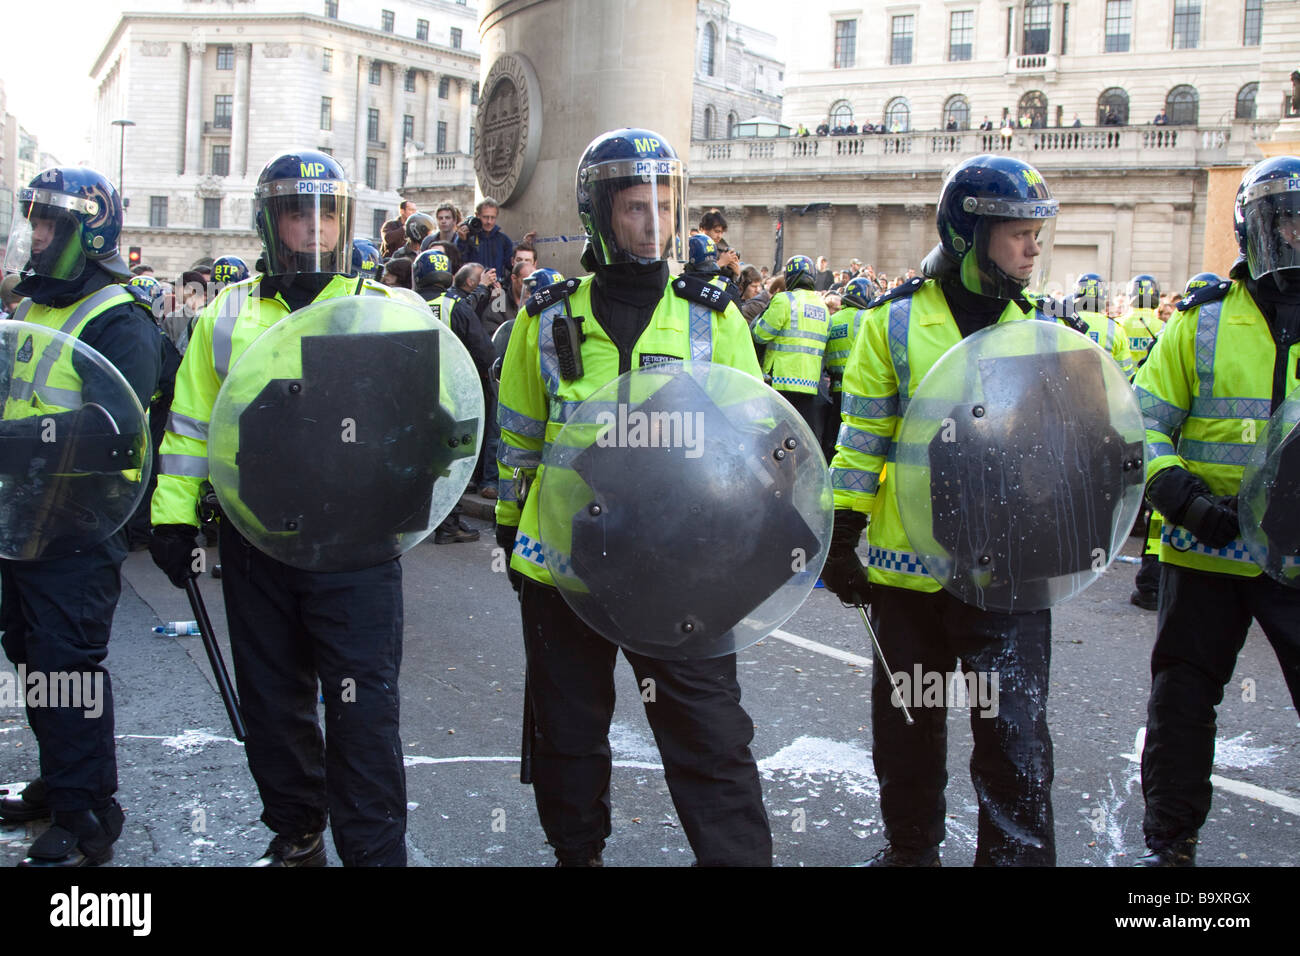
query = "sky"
{"x": 48, "y": 88}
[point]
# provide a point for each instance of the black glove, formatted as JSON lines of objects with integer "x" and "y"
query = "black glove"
{"x": 172, "y": 548}
{"x": 1186, "y": 500}
{"x": 506, "y": 541}
{"x": 843, "y": 572}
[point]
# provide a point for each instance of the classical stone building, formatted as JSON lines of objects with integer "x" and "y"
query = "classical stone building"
{"x": 215, "y": 89}
{"x": 1135, "y": 196}
{"x": 737, "y": 73}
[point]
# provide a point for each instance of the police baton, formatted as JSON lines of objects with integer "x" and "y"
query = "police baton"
{"x": 215, "y": 660}
{"x": 880, "y": 656}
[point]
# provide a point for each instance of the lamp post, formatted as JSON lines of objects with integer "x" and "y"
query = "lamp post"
{"x": 122, "y": 124}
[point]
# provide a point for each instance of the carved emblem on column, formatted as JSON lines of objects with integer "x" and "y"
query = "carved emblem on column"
{"x": 509, "y": 127}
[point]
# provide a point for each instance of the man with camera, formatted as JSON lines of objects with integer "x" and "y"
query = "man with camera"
{"x": 482, "y": 241}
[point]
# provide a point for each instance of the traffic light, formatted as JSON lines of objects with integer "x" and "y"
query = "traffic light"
{"x": 133, "y": 256}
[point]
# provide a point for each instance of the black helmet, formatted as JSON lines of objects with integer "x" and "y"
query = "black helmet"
{"x": 1143, "y": 291}
{"x": 418, "y": 226}
{"x": 229, "y": 269}
{"x": 430, "y": 269}
{"x": 80, "y": 217}
{"x": 304, "y": 207}
{"x": 632, "y": 198}
{"x": 1200, "y": 281}
{"x": 1090, "y": 293}
{"x": 1266, "y": 218}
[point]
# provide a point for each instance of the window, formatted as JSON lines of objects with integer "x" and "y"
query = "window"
{"x": 376, "y": 72}
{"x": 326, "y": 150}
{"x": 732, "y": 119}
{"x": 1181, "y": 106}
{"x": 707, "y": 130}
{"x": 326, "y": 112}
{"x": 1246, "y": 101}
{"x": 455, "y": 38}
{"x": 377, "y": 219}
{"x": 1119, "y": 25}
{"x": 1065, "y": 30}
{"x": 1187, "y": 24}
{"x": 1038, "y": 28}
{"x": 225, "y": 58}
{"x": 410, "y": 81}
{"x": 158, "y": 211}
{"x": 442, "y": 137}
{"x": 386, "y": 20}
{"x": 1254, "y": 19}
{"x": 961, "y": 35}
{"x": 900, "y": 39}
{"x": 222, "y": 108}
{"x": 327, "y": 61}
{"x": 1112, "y": 107}
{"x": 1034, "y": 105}
{"x": 470, "y": 148}
{"x": 221, "y": 160}
{"x": 408, "y": 128}
{"x": 708, "y": 49}
{"x": 372, "y": 125}
{"x": 332, "y": 9}
{"x": 846, "y": 41}
{"x": 898, "y": 115}
{"x": 372, "y": 172}
{"x": 212, "y": 214}
{"x": 841, "y": 114}
{"x": 422, "y": 30}
{"x": 444, "y": 87}
{"x": 405, "y": 165}
{"x": 956, "y": 113}
{"x": 473, "y": 93}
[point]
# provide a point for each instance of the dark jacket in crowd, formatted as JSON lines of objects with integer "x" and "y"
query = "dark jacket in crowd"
{"x": 492, "y": 250}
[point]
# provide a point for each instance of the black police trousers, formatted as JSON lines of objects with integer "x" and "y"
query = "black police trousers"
{"x": 1200, "y": 629}
{"x": 290, "y": 629}
{"x": 702, "y": 731}
{"x": 1011, "y": 764}
{"x": 56, "y": 617}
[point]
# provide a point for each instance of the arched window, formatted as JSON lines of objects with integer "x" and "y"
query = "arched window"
{"x": 1038, "y": 27}
{"x": 956, "y": 113}
{"x": 1112, "y": 107}
{"x": 1246, "y": 101}
{"x": 841, "y": 114}
{"x": 898, "y": 116}
{"x": 707, "y": 132}
{"x": 732, "y": 120}
{"x": 1181, "y": 106}
{"x": 1034, "y": 105}
{"x": 708, "y": 47}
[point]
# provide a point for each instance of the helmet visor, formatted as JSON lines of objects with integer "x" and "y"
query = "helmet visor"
{"x": 1011, "y": 255}
{"x": 306, "y": 225}
{"x": 1272, "y": 214}
{"x": 638, "y": 210}
{"x": 45, "y": 236}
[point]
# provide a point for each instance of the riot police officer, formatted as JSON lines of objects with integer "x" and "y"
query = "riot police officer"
{"x": 856, "y": 300}
{"x": 1227, "y": 356}
{"x": 794, "y": 329}
{"x": 702, "y": 261}
{"x": 293, "y": 630}
{"x": 994, "y": 217}
{"x": 1142, "y": 323}
{"x": 631, "y": 200}
{"x": 1090, "y": 307}
{"x": 228, "y": 269}
{"x": 57, "y": 613}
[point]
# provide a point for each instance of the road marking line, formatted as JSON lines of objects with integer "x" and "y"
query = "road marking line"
{"x": 819, "y": 648}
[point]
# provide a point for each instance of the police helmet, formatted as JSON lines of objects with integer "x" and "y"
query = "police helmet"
{"x": 418, "y": 226}
{"x": 430, "y": 269}
{"x": 799, "y": 272}
{"x": 148, "y": 291}
{"x": 1200, "y": 281}
{"x": 1266, "y": 218}
{"x": 979, "y": 194}
{"x": 304, "y": 207}
{"x": 66, "y": 216}
{"x": 1143, "y": 291}
{"x": 703, "y": 254}
{"x": 858, "y": 292}
{"x": 229, "y": 269}
{"x": 631, "y": 191}
{"x": 366, "y": 259}
{"x": 540, "y": 279}
{"x": 1090, "y": 293}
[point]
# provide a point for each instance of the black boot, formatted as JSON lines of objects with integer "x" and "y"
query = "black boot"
{"x": 78, "y": 838}
{"x": 305, "y": 850}
{"x": 1180, "y": 852}
{"x": 31, "y": 804}
{"x": 590, "y": 856}
{"x": 905, "y": 856}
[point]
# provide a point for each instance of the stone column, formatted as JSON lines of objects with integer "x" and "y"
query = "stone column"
{"x": 465, "y": 118}
{"x": 363, "y": 104}
{"x": 736, "y": 228}
{"x": 870, "y": 213}
{"x": 194, "y": 108}
{"x": 1121, "y": 266}
{"x": 239, "y": 122}
{"x": 1180, "y": 244}
{"x": 918, "y": 243}
{"x": 824, "y": 219}
{"x": 396, "y": 148}
{"x": 430, "y": 111}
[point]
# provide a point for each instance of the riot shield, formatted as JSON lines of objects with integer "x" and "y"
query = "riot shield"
{"x": 501, "y": 342}
{"x": 74, "y": 445}
{"x": 685, "y": 510}
{"x": 1019, "y": 466}
{"x": 1269, "y": 499}
{"x": 346, "y": 433}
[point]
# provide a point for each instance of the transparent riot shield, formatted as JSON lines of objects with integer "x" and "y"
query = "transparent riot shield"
{"x": 685, "y": 510}
{"x": 1019, "y": 466}
{"x": 1269, "y": 499}
{"x": 346, "y": 433}
{"x": 74, "y": 445}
